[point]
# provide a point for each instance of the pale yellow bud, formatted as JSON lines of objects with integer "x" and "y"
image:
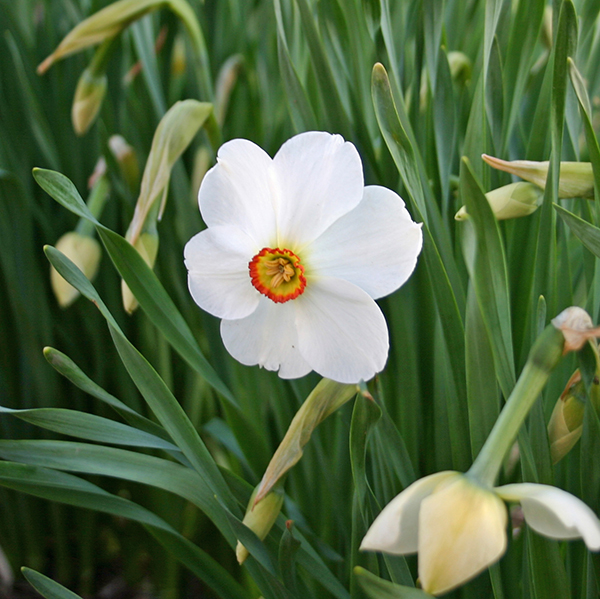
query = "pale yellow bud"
{"x": 260, "y": 517}
{"x": 460, "y": 66}
{"x": 127, "y": 160}
{"x": 85, "y": 253}
{"x": 103, "y": 25}
{"x": 147, "y": 247}
{"x": 511, "y": 201}
{"x": 178, "y": 57}
{"x": 576, "y": 178}
{"x": 566, "y": 423}
{"x": 89, "y": 94}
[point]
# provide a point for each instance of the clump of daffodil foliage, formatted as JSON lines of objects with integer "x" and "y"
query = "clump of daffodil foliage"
{"x": 299, "y": 299}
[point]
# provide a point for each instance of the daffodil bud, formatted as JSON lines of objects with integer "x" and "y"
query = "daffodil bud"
{"x": 511, "y": 201}
{"x": 576, "y": 178}
{"x": 227, "y": 77}
{"x": 147, "y": 247}
{"x": 172, "y": 136}
{"x": 566, "y": 423}
{"x": 85, "y": 253}
{"x": 89, "y": 94}
{"x": 324, "y": 399}
{"x": 105, "y": 24}
{"x": 460, "y": 66}
{"x": 178, "y": 57}
{"x": 126, "y": 159}
{"x": 260, "y": 517}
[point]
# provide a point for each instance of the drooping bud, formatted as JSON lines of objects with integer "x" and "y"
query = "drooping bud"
{"x": 576, "y": 178}
{"x": 260, "y": 517}
{"x": 85, "y": 253}
{"x": 511, "y": 201}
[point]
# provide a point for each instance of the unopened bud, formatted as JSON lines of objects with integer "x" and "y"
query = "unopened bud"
{"x": 576, "y": 178}
{"x": 85, "y": 253}
{"x": 511, "y": 201}
{"x": 178, "y": 57}
{"x": 147, "y": 247}
{"x": 460, "y": 67}
{"x": 89, "y": 94}
{"x": 260, "y": 517}
{"x": 566, "y": 423}
{"x": 126, "y": 159}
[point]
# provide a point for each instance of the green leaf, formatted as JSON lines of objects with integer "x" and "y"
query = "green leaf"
{"x": 489, "y": 276}
{"x": 46, "y": 586}
{"x": 159, "y": 307}
{"x": 587, "y": 233}
{"x": 365, "y": 415}
{"x": 121, "y": 463}
{"x": 586, "y": 114}
{"x": 402, "y": 151}
{"x": 65, "y": 366}
{"x": 71, "y": 490}
{"x": 90, "y": 427}
{"x": 378, "y": 588}
{"x": 63, "y": 191}
{"x": 288, "y": 549}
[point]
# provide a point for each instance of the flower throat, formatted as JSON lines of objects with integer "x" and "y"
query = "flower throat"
{"x": 278, "y": 274}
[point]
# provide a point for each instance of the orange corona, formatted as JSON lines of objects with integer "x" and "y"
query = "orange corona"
{"x": 278, "y": 274}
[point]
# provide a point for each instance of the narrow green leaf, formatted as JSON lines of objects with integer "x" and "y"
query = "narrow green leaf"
{"x": 378, "y": 588}
{"x": 171, "y": 415}
{"x": 121, "y": 463}
{"x": 402, "y": 151}
{"x": 332, "y": 100}
{"x": 301, "y": 111}
{"x": 489, "y": 276}
{"x": 63, "y": 191}
{"x": 65, "y": 366}
{"x": 482, "y": 389}
{"x": 90, "y": 427}
{"x": 46, "y": 586}
{"x": 365, "y": 415}
{"x": 159, "y": 307}
{"x": 586, "y": 114}
{"x": 587, "y": 233}
{"x": 288, "y": 549}
{"x": 71, "y": 490}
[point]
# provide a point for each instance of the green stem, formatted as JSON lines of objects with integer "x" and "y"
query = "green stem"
{"x": 543, "y": 357}
{"x": 95, "y": 203}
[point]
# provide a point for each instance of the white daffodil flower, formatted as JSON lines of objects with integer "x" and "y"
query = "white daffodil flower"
{"x": 458, "y": 527}
{"x": 296, "y": 251}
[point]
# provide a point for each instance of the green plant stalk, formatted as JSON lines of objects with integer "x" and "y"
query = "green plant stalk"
{"x": 96, "y": 200}
{"x": 543, "y": 357}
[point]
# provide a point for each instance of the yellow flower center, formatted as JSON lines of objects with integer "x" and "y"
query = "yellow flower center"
{"x": 277, "y": 274}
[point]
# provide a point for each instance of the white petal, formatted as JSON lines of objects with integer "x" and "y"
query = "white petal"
{"x": 462, "y": 531}
{"x": 555, "y": 513}
{"x": 341, "y": 330}
{"x": 374, "y": 246}
{"x": 268, "y": 338}
{"x": 238, "y": 191}
{"x": 320, "y": 177}
{"x": 218, "y": 278}
{"x": 396, "y": 529}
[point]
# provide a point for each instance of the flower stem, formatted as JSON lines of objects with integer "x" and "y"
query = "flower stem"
{"x": 543, "y": 357}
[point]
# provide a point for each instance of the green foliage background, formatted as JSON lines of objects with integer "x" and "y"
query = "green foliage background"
{"x": 460, "y": 329}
